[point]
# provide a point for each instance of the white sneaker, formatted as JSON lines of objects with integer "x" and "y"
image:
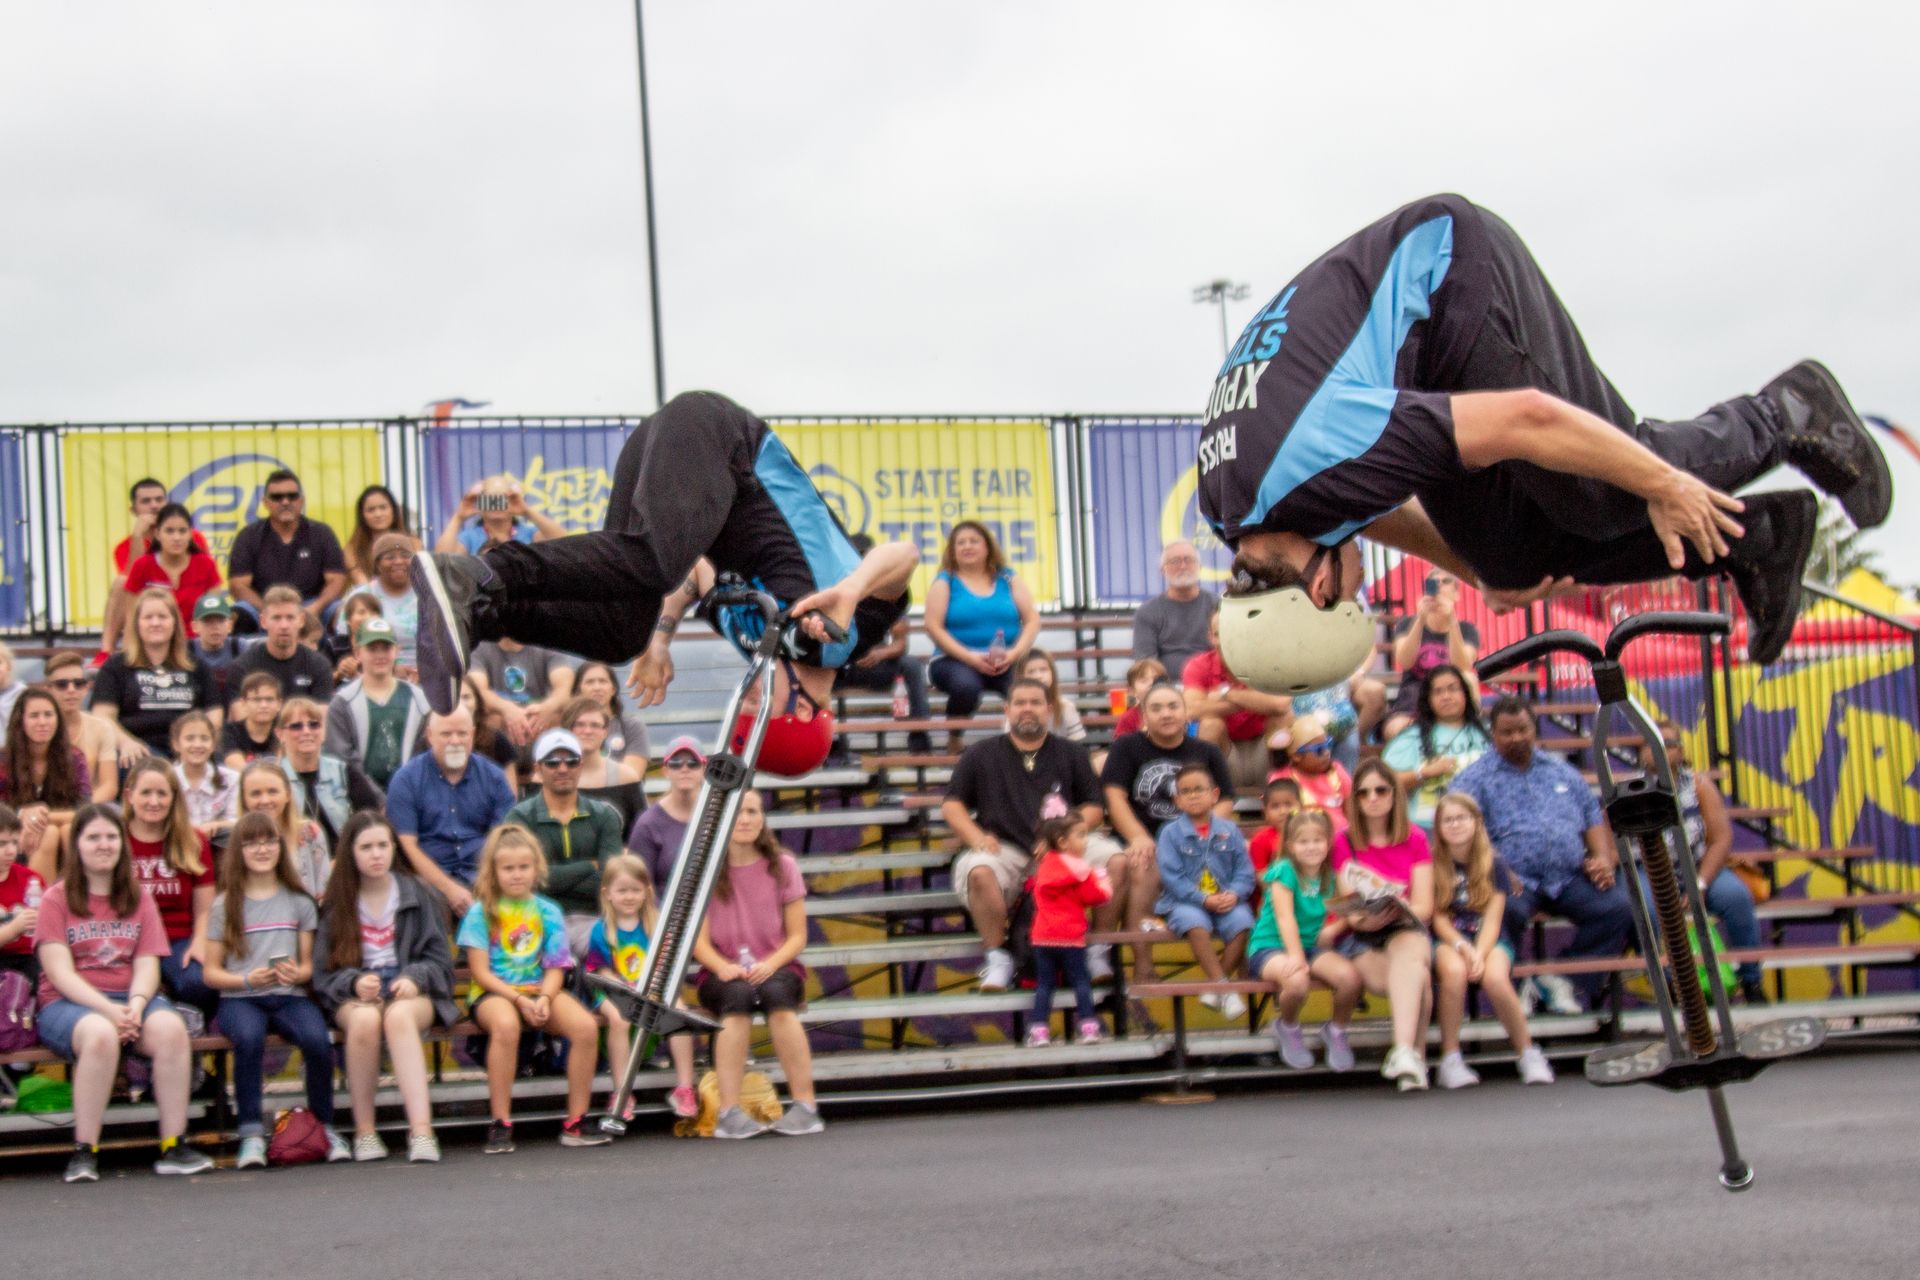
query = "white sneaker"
{"x": 423, "y": 1148}
{"x": 1100, "y": 962}
{"x": 1405, "y": 1068}
{"x": 1454, "y": 1073}
{"x": 337, "y": 1148}
{"x": 368, "y": 1146}
{"x": 1232, "y": 1007}
{"x": 253, "y": 1152}
{"x": 1211, "y": 1000}
{"x": 1534, "y": 1067}
{"x": 1529, "y": 996}
{"x": 997, "y": 973}
{"x": 1559, "y": 995}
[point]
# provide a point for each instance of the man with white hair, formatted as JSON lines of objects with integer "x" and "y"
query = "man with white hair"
{"x": 1172, "y": 627}
{"x": 443, "y": 802}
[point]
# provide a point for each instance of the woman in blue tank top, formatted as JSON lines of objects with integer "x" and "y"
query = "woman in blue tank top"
{"x": 974, "y": 599}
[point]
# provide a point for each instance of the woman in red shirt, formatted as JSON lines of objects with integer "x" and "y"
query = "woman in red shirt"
{"x": 175, "y": 562}
{"x": 174, "y": 864}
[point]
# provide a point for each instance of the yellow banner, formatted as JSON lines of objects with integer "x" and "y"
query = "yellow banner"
{"x": 913, "y": 481}
{"x": 219, "y": 475}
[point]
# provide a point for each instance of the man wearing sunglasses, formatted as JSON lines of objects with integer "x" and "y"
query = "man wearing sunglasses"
{"x": 1422, "y": 384}
{"x": 577, "y": 832}
{"x": 287, "y": 549}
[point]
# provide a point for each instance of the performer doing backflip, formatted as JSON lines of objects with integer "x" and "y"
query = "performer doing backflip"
{"x": 700, "y": 487}
{"x": 1422, "y": 384}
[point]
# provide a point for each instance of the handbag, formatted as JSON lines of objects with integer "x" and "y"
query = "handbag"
{"x": 298, "y": 1138}
{"x": 17, "y": 1009}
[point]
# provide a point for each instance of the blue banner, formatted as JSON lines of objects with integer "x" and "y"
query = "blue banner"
{"x": 13, "y": 531}
{"x": 566, "y": 472}
{"x": 1142, "y": 493}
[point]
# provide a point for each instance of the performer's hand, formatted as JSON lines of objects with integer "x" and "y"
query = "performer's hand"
{"x": 1506, "y": 600}
{"x": 836, "y": 602}
{"x": 651, "y": 674}
{"x": 1685, "y": 509}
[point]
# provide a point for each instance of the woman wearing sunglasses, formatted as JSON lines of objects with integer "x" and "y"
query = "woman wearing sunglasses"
{"x": 1385, "y": 872}
{"x": 658, "y": 831}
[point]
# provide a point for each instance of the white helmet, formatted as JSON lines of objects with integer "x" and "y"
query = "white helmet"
{"x": 1280, "y": 641}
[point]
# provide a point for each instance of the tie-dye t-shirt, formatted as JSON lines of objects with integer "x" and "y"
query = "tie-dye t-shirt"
{"x": 624, "y": 959}
{"x": 529, "y": 938}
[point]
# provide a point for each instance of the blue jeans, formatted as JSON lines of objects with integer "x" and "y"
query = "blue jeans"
{"x": 1731, "y": 903}
{"x": 182, "y": 979}
{"x": 245, "y": 1020}
{"x": 963, "y": 685}
{"x": 1050, "y": 964}
{"x": 1602, "y": 921}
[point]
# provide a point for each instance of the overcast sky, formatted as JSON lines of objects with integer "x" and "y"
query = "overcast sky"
{"x": 293, "y": 209}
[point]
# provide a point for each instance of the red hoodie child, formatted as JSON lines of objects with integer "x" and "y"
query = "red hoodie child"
{"x": 1063, "y": 888}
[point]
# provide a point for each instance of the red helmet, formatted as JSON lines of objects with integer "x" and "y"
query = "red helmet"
{"x": 791, "y": 746}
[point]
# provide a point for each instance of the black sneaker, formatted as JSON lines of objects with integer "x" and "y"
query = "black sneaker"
{"x": 84, "y": 1166}
{"x": 447, "y": 588}
{"x": 183, "y": 1158}
{"x": 1767, "y": 565}
{"x": 499, "y": 1136}
{"x": 1754, "y": 991}
{"x": 575, "y": 1133}
{"x": 1824, "y": 438}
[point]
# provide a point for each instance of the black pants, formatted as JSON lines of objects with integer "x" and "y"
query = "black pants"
{"x": 681, "y": 478}
{"x": 1516, "y": 523}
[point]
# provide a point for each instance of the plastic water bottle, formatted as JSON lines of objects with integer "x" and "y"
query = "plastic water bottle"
{"x": 899, "y": 697}
{"x": 746, "y": 959}
{"x": 997, "y": 651}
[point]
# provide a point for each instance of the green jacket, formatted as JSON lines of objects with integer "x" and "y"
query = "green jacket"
{"x": 575, "y": 851}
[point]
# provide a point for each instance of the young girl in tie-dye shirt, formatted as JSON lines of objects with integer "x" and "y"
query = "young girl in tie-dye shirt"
{"x": 516, "y": 945}
{"x": 618, "y": 946}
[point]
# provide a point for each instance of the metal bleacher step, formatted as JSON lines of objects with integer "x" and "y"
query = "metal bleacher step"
{"x": 909, "y": 950}
{"x": 847, "y": 777}
{"x": 883, "y": 816}
{"x": 831, "y": 864}
{"x": 871, "y": 904}
{"x": 930, "y": 1004}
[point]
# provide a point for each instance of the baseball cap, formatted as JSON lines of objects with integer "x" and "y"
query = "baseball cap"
{"x": 389, "y": 542}
{"x": 684, "y": 745}
{"x": 375, "y": 630}
{"x": 555, "y": 740}
{"x": 213, "y": 604}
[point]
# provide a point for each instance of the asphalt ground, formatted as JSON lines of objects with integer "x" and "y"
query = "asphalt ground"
{"x": 1334, "y": 1180}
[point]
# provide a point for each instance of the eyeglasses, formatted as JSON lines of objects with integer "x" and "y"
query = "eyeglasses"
{"x": 1320, "y": 748}
{"x": 1367, "y": 793}
{"x": 79, "y": 682}
{"x": 560, "y": 762}
{"x": 683, "y": 762}
{"x": 284, "y": 497}
{"x": 302, "y": 726}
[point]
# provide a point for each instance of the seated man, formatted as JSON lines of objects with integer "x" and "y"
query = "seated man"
{"x": 577, "y": 832}
{"x": 299, "y": 668}
{"x": 1232, "y": 716}
{"x": 524, "y": 684}
{"x": 1206, "y": 881}
{"x": 249, "y": 732}
{"x": 1432, "y": 636}
{"x": 1000, "y": 790}
{"x": 377, "y": 720}
{"x": 1545, "y": 821}
{"x": 1171, "y": 628}
{"x": 287, "y": 549}
{"x": 443, "y": 802}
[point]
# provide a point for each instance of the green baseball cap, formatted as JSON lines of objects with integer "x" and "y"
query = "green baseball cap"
{"x": 375, "y": 630}
{"x": 214, "y": 604}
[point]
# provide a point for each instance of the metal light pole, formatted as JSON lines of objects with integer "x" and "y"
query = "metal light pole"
{"x": 1217, "y": 291}
{"x": 646, "y": 177}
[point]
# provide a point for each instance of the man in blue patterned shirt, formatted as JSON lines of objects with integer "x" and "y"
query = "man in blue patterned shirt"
{"x": 1544, "y": 820}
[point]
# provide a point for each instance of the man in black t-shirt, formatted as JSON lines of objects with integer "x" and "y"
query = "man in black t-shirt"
{"x": 299, "y": 668}
{"x": 1138, "y": 781}
{"x": 1421, "y": 383}
{"x": 999, "y": 792}
{"x": 287, "y": 549}
{"x": 701, "y": 488}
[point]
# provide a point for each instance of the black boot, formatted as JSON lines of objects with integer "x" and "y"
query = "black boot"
{"x": 452, "y": 591}
{"x": 1768, "y": 563}
{"x": 1824, "y": 438}
{"x": 1753, "y": 991}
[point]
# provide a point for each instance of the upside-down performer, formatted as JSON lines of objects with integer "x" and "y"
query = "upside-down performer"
{"x": 700, "y": 488}
{"x": 1421, "y": 384}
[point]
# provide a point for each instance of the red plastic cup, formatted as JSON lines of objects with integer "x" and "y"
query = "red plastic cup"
{"x": 1117, "y": 701}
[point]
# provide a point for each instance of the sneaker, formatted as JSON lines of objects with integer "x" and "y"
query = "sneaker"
{"x": 1454, "y": 1073}
{"x": 1529, "y": 996}
{"x": 368, "y": 1146}
{"x": 423, "y": 1148}
{"x": 1557, "y": 993}
{"x": 1100, "y": 963}
{"x": 185, "y": 1158}
{"x": 1090, "y": 1031}
{"x": 1753, "y": 991}
{"x": 253, "y": 1152}
{"x": 1232, "y": 1006}
{"x": 84, "y": 1166}
{"x": 1339, "y": 1052}
{"x": 1038, "y": 1037}
{"x": 735, "y": 1123}
{"x": 1405, "y": 1068}
{"x": 1211, "y": 1000}
{"x": 800, "y": 1119}
{"x": 684, "y": 1101}
{"x": 499, "y": 1133}
{"x": 1292, "y": 1043}
{"x": 1767, "y": 565}
{"x": 1824, "y": 439}
{"x": 450, "y": 590}
{"x": 338, "y": 1150}
{"x": 575, "y": 1133}
{"x": 1534, "y": 1067}
{"x": 997, "y": 973}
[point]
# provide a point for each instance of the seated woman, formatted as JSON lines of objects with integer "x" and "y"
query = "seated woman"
{"x": 152, "y": 681}
{"x": 326, "y": 788}
{"x": 981, "y": 617}
{"x": 264, "y": 788}
{"x": 100, "y": 942}
{"x": 1447, "y": 735}
{"x": 626, "y": 731}
{"x": 587, "y": 721}
{"x": 1382, "y": 855}
{"x": 174, "y": 864}
{"x": 43, "y": 777}
{"x": 177, "y": 562}
{"x": 375, "y": 512}
{"x": 748, "y": 951}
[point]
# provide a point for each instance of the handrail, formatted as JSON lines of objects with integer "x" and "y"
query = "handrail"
{"x": 1827, "y": 593}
